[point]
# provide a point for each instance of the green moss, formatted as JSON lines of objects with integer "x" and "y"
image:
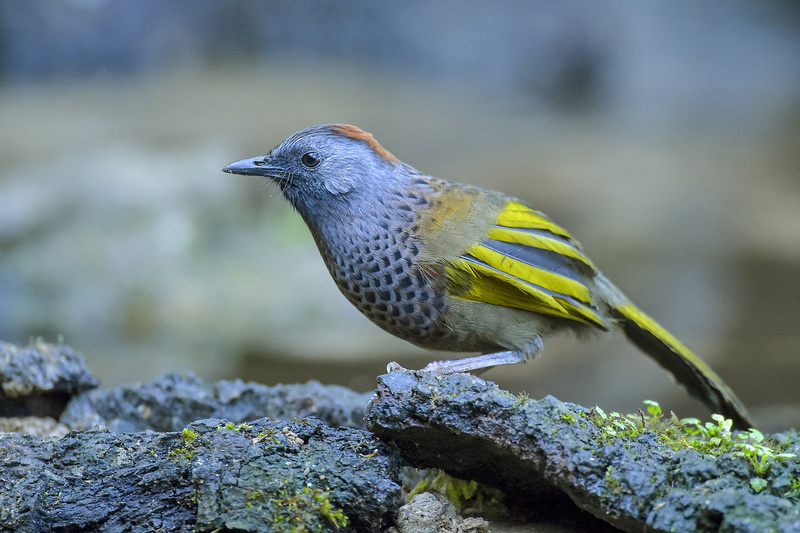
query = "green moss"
{"x": 461, "y": 492}
{"x": 615, "y": 426}
{"x": 186, "y": 452}
{"x": 188, "y": 435}
{"x": 520, "y": 400}
{"x": 181, "y": 454}
{"x": 713, "y": 438}
{"x": 299, "y": 512}
{"x": 267, "y": 436}
{"x": 794, "y": 489}
{"x": 758, "y": 484}
{"x": 612, "y": 481}
{"x": 234, "y": 427}
{"x": 716, "y": 438}
{"x": 190, "y": 501}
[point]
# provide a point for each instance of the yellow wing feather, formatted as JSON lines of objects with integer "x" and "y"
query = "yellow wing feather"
{"x": 531, "y": 273}
{"x": 483, "y": 284}
{"x": 539, "y": 273}
{"x": 538, "y": 241}
{"x": 515, "y": 214}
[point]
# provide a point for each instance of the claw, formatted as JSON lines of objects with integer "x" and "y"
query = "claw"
{"x": 391, "y": 367}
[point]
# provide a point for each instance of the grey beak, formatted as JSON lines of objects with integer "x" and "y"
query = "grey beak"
{"x": 255, "y": 166}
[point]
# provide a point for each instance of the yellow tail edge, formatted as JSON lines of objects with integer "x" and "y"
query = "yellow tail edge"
{"x": 689, "y": 370}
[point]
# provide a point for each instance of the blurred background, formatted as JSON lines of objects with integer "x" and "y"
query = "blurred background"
{"x": 664, "y": 135}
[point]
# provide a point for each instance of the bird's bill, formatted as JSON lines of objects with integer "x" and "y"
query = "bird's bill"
{"x": 255, "y": 166}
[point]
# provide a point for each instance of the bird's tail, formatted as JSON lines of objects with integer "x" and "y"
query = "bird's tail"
{"x": 698, "y": 378}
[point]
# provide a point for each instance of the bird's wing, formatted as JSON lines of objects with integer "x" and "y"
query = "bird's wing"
{"x": 527, "y": 262}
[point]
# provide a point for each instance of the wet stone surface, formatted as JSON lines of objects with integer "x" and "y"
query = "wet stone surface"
{"x": 39, "y": 379}
{"x": 534, "y": 450}
{"x": 173, "y": 400}
{"x": 213, "y": 474}
{"x": 180, "y": 454}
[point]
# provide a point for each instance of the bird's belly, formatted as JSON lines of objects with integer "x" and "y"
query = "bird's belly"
{"x": 407, "y": 303}
{"x": 403, "y": 303}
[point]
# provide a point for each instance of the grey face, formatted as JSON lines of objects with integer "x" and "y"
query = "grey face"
{"x": 320, "y": 168}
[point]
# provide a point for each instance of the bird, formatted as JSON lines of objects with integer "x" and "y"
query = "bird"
{"x": 457, "y": 267}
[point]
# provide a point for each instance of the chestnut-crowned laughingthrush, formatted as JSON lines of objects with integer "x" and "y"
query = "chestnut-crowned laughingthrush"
{"x": 450, "y": 266}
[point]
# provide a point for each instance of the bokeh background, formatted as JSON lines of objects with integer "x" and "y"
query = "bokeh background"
{"x": 665, "y": 135}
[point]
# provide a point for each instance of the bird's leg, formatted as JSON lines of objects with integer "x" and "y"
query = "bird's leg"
{"x": 485, "y": 361}
{"x": 477, "y": 362}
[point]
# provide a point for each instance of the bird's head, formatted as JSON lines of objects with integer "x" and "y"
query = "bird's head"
{"x": 326, "y": 168}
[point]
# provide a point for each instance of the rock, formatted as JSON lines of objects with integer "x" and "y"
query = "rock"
{"x": 430, "y": 511}
{"x": 39, "y": 379}
{"x": 534, "y": 449}
{"x": 212, "y": 475}
{"x": 152, "y": 467}
{"x": 41, "y": 426}
{"x": 172, "y": 401}
{"x": 147, "y": 464}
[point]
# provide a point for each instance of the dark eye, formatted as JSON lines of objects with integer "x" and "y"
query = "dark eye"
{"x": 311, "y": 159}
